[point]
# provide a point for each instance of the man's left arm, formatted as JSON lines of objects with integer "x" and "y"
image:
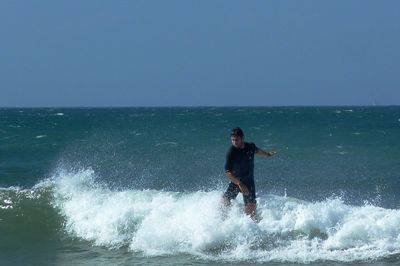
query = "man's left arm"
{"x": 261, "y": 152}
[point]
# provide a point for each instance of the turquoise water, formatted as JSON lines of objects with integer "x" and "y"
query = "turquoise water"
{"x": 121, "y": 186}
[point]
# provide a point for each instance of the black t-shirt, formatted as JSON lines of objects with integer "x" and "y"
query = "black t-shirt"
{"x": 241, "y": 161}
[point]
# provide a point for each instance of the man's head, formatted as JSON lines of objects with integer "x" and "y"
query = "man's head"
{"x": 237, "y": 137}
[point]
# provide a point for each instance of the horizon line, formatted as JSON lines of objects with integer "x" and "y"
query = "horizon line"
{"x": 192, "y": 106}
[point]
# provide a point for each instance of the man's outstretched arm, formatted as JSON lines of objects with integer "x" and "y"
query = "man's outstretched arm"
{"x": 261, "y": 152}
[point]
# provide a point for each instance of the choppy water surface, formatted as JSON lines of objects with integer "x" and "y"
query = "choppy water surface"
{"x": 143, "y": 185}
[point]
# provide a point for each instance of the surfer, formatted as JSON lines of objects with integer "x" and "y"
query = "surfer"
{"x": 239, "y": 168}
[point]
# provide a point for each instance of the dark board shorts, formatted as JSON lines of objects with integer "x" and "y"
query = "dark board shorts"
{"x": 233, "y": 190}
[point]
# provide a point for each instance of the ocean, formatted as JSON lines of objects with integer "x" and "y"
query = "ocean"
{"x": 142, "y": 186}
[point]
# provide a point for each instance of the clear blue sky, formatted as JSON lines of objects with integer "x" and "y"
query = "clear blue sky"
{"x": 191, "y": 53}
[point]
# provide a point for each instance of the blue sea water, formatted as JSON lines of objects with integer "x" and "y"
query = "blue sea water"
{"x": 128, "y": 186}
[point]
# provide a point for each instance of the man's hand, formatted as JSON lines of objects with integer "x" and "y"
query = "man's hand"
{"x": 272, "y": 153}
{"x": 265, "y": 153}
{"x": 243, "y": 188}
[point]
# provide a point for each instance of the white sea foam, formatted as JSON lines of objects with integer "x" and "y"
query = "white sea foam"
{"x": 167, "y": 223}
{"x": 7, "y": 201}
{"x": 6, "y": 204}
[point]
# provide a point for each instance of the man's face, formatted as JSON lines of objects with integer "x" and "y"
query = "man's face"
{"x": 237, "y": 142}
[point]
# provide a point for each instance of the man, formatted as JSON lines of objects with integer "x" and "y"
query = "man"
{"x": 239, "y": 168}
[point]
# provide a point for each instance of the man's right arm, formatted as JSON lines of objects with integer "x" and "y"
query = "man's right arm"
{"x": 231, "y": 176}
{"x": 237, "y": 182}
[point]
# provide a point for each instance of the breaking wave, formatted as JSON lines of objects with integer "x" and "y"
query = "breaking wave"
{"x": 154, "y": 223}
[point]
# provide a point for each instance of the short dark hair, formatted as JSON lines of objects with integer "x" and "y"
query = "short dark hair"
{"x": 237, "y": 132}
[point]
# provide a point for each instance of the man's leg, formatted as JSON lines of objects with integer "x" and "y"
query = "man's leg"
{"x": 250, "y": 210}
{"x": 231, "y": 192}
{"x": 250, "y": 201}
{"x": 226, "y": 202}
